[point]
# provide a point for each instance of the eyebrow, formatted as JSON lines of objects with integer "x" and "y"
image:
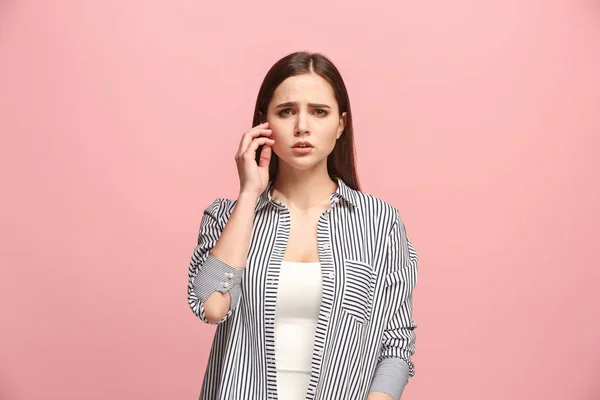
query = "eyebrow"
{"x": 293, "y": 103}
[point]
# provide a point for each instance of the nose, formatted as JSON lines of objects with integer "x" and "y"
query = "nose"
{"x": 302, "y": 124}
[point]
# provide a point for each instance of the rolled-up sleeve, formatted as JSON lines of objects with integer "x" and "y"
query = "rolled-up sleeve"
{"x": 206, "y": 273}
{"x": 398, "y": 344}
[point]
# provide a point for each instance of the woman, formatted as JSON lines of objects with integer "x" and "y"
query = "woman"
{"x": 309, "y": 280}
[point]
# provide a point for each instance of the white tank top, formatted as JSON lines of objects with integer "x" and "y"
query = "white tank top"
{"x": 297, "y": 310}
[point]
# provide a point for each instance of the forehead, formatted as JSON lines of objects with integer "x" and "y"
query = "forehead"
{"x": 305, "y": 88}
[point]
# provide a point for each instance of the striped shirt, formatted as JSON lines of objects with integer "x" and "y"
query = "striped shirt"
{"x": 365, "y": 335}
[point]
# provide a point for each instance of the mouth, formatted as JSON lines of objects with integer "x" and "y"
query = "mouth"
{"x": 302, "y": 145}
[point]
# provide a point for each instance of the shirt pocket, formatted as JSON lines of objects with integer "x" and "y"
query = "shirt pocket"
{"x": 358, "y": 289}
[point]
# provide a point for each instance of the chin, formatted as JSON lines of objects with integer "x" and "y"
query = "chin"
{"x": 301, "y": 163}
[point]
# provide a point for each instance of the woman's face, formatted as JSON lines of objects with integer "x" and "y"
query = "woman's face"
{"x": 303, "y": 108}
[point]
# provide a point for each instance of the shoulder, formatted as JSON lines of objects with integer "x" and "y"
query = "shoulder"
{"x": 387, "y": 221}
{"x": 377, "y": 208}
{"x": 220, "y": 208}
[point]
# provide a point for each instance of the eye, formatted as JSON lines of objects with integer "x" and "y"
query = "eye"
{"x": 284, "y": 112}
{"x": 321, "y": 112}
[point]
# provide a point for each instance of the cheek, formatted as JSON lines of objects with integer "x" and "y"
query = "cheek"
{"x": 281, "y": 132}
{"x": 279, "y": 140}
{"x": 276, "y": 135}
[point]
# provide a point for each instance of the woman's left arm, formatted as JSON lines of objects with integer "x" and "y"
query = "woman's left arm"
{"x": 398, "y": 345}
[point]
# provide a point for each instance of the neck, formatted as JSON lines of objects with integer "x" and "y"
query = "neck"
{"x": 303, "y": 189}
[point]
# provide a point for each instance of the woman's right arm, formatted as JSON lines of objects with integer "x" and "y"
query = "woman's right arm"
{"x": 219, "y": 259}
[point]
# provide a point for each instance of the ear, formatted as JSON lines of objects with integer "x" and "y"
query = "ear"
{"x": 342, "y": 125}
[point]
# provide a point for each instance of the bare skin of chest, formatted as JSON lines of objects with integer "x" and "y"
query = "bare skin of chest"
{"x": 302, "y": 243}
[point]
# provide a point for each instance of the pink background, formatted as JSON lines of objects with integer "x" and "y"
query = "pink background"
{"x": 479, "y": 120}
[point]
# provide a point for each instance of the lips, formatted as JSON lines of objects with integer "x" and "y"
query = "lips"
{"x": 303, "y": 144}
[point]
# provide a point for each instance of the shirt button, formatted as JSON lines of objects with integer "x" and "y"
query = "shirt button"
{"x": 320, "y": 353}
{"x": 326, "y": 246}
{"x": 327, "y": 315}
{"x": 225, "y": 285}
{"x": 331, "y": 275}
{"x": 229, "y": 275}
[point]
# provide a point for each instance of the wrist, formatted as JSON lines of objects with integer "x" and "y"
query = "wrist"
{"x": 247, "y": 197}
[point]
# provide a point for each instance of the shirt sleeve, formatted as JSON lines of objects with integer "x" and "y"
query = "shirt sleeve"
{"x": 208, "y": 274}
{"x": 398, "y": 344}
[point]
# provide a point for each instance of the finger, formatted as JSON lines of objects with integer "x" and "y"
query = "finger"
{"x": 251, "y": 135}
{"x": 257, "y": 142}
{"x": 262, "y": 125}
{"x": 265, "y": 157}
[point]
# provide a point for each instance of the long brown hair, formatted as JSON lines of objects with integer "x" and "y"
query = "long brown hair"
{"x": 340, "y": 163}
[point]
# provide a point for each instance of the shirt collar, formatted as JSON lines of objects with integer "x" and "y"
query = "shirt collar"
{"x": 343, "y": 191}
